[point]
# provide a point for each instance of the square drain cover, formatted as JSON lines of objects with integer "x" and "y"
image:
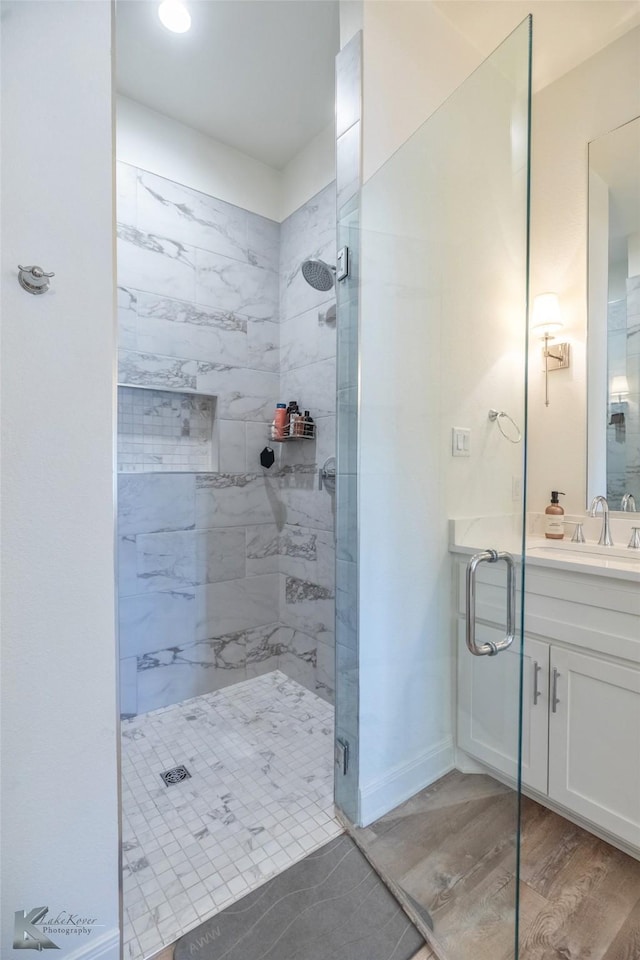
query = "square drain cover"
{"x": 175, "y": 775}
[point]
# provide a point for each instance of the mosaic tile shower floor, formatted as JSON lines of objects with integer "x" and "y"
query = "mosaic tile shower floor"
{"x": 259, "y": 799}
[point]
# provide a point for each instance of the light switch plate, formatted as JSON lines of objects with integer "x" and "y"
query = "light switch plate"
{"x": 461, "y": 442}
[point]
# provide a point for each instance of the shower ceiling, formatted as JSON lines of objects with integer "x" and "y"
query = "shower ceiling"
{"x": 255, "y": 74}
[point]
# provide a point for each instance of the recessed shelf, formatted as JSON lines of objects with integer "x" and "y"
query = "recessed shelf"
{"x": 164, "y": 431}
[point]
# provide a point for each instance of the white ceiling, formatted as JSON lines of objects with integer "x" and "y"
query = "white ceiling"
{"x": 565, "y": 32}
{"x": 257, "y": 75}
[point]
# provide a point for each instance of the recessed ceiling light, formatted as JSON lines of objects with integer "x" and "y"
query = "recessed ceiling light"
{"x": 175, "y": 16}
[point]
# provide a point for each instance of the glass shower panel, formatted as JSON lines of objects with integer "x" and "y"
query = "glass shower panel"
{"x": 346, "y": 719}
{"x": 441, "y": 439}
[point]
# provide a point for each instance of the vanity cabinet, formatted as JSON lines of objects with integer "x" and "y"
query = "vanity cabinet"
{"x": 488, "y": 707}
{"x": 594, "y": 740}
{"x": 581, "y": 696}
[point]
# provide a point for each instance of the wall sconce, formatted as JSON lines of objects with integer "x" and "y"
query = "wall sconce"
{"x": 619, "y": 390}
{"x": 545, "y": 318}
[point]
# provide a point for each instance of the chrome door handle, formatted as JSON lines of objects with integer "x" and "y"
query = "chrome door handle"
{"x": 536, "y": 693}
{"x": 555, "y": 700}
{"x": 490, "y": 649}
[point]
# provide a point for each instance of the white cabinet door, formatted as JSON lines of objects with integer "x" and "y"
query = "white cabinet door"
{"x": 488, "y": 707}
{"x": 594, "y": 741}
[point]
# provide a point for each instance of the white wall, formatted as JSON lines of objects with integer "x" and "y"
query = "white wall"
{"x": 599, "y": 95}
{"x": 413, "y": 59}
{"x": 59, "y": 800}
{"x": 442, "y": 336}
{"x": 422, "y": 376}
{"x": 154, "y": 142}
{"x": 309, "y": 172}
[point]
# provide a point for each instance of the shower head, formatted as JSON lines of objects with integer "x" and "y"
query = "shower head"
{"x": 318, "y": 274}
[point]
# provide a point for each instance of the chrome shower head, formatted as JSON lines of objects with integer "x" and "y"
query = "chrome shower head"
{"x": 318, "y": 274}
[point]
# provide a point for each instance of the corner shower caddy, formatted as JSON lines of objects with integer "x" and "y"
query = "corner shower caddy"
{"x": 309, "y": 433}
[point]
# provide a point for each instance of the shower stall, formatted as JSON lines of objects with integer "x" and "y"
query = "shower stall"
{"x": 226, "y": 556}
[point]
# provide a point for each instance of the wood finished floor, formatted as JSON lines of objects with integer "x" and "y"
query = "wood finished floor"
{"x": 452, "y": 849}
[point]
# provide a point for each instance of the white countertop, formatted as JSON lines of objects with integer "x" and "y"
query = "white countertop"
{"x": 619, "y": 562}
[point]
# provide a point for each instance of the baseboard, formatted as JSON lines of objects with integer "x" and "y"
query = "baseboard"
{"x": 466, "y": 764}
{"x": 104, "y": 947}
{"x": 404, "y": 781}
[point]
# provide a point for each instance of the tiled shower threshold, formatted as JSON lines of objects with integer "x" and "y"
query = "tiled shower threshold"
{"x": 259, "y": 799}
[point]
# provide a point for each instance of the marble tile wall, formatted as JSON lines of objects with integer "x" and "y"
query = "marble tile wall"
{"x": 198, "y": 292}
{"x": 229, "y": 574}
{"x": 308, "y": 375}
{"x": 198, "y": 297}
{"x": 198, "y": 598}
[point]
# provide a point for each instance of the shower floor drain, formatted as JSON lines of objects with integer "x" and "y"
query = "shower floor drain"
{"x": 175, "y": 775}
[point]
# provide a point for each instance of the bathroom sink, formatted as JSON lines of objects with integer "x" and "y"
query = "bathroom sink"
{"x": 577, "y": 551}
{"x": 588, "y": 554}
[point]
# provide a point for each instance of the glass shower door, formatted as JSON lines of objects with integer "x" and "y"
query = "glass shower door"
{"x": 439, "y": 482}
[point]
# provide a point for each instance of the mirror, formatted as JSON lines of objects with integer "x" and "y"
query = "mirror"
{"x": 614, "y": 315}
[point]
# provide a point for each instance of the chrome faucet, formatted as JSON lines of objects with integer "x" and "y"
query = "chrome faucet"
{"x": 605, "y": 537}
{"x": 629, "y": 503}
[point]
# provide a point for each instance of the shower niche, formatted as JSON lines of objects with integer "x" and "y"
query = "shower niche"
{"x": 164, "y": 431}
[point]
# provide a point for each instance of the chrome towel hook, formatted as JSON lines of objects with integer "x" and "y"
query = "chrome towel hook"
{"x": 496, "y": 416}
{"x": 34, "y": 279}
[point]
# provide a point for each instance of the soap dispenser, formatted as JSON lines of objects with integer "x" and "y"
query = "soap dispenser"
{"x": 553, "y": 525}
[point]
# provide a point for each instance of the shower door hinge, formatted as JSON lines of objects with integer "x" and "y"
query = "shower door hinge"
{"x": 342, "y": 264}
{"x": 341, "y": 754}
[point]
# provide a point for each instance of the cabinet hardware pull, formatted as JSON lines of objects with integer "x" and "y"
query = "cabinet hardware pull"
{"x": 536, "y": 692}
{"x": 555, "y": 700}
{"x": 490, "y": 648}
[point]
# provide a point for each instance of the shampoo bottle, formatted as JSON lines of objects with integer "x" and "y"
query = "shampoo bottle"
{"x": 309, "y": 427}
{"x": 553, "y": 525}
{"x": 279, "y": 422}
{"x": 292, "y": 410}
